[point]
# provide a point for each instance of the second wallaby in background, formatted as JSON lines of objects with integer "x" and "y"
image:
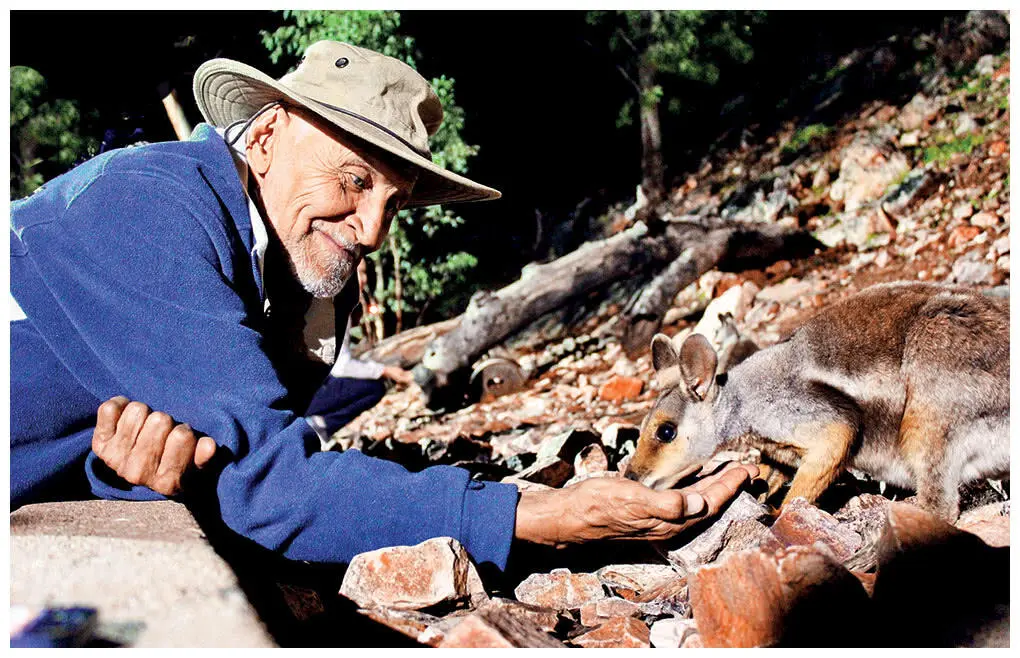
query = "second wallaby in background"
{"x": 908, "y": 382}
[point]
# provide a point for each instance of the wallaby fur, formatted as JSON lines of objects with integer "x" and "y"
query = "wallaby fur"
{"x": 908, "y": 382}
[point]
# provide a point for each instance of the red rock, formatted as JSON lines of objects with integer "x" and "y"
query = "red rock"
{"x": 560, "y": 589}
{"x": 802, "y": 524}
{"x": 867, "y": 581}
{"x": 546, "y": 619}
{"x": 620, "y": 388}
{"x": 495, "y": 629}
{"x": 550, "y": 472}
{"x": 1002, "y": 72}
{"x": 412, "y": 577}
{"x": 961, "y": 235}
{"x": 631, "y": 580}
{"x": 864, "y": 514}
{"x": 995, "y": 149}
{"x": 411, "y": 623}
{"x": 707, "y": 546}
{"x": 601, "y": 611}
{"x": 618, "y": 633}
{"x": 994, "y": 532}
{"x": 799, "y": 595}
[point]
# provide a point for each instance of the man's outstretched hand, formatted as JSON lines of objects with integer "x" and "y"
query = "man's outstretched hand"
{"x": 147, "y": 447}
{"x": 618, "y": 508}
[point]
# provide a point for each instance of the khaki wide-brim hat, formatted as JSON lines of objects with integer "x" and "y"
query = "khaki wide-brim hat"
{"x": 373, "y": 97}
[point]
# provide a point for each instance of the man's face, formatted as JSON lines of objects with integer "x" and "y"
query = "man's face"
{"x": 330, "y": 201}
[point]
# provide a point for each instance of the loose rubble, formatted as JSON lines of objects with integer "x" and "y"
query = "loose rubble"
{"x": 916, "y": 191}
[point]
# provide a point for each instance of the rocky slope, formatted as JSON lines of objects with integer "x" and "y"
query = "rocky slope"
{"x": 912, "y": 192}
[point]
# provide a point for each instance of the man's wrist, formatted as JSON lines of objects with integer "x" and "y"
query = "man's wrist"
{"x": 539, "y": 518}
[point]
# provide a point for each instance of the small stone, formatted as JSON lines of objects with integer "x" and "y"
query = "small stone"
{"x": 821, "y": 179}
{"x": 971, "y": 269}
{"x": 412, "y": 577}
{"x": 707, "y": 545}
{"x": 670, "y": 598}
{"x": 620, "y": 388}
{"x": 984, "y": 219}
{"x": 961, "y": 235}
{"x": 919, "y": 110}
{"x": 601, "y": 611}
{"x": 560, "y": 589}
{"x": 985, "y": 65}
{"x": 754, "y": 599}
{"x": 671, "y": 633}
{"x": 865, "y": 515}
{"x": 785, "y": 292}
{"x": 551, "y": 472}
{"x": 567, "y": 445}
{"x": 963, "y": 210}
{"x": 912, "y": 138}
{"x": 546, "y": 619}
{"x": 882, "y": 259}
{"x": 617, "y": 433}
{"x": 495, "y": 629}
{"x": 1003, "y": 263}
{"x": 411, "y": 623}
{"x": 619, "y": 633}
{"x": 996, "y": 149}
{"x": 965, "y": 124}
{"x": 591, "y": 459}
{"x": 803, "y": 524}
{"x": 1001, "y": 245}
{"x": 635, "y": 578}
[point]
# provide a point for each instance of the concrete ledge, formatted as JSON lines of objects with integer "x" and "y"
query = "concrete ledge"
{"x": 144, "y": 566}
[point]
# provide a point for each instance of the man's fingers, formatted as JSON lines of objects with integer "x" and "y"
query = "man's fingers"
{"x": 143, "y": 461}
{"x": 205, "y": 451}
{"x": 106, "y": 422}
{"x": 118, "y": 448}
{"x": 178, "y": 453}
{"x": 724, "y": 486}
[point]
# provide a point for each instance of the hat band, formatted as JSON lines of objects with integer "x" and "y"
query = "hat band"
{"x": 423, "y": 153}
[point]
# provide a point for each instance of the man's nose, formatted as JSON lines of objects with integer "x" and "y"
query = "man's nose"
{"x": 374, "y": 223}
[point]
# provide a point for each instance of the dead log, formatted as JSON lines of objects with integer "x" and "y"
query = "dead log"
{"x": 492, "y": 316}
{"x": 407, "y": 348}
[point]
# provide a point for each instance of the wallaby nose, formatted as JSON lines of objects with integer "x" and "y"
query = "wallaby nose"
{"x": 631, "y": 475}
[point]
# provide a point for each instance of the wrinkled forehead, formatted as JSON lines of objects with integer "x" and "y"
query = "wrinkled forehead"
{"x": 401, "y": 173}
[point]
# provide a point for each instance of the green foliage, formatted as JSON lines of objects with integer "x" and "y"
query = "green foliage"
{"x": 690, "y": 45}
{"x": 46, "y": 137}
{"x": 430, "y": 277}
{"x": 941, "y": 153}
{"x": 803, "y": 137}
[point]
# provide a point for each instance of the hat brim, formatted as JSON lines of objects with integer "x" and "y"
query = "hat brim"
{"x": 228, "y": 91}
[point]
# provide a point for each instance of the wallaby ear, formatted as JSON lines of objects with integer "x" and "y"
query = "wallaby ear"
{"x": 665, "y": 360}
{"x": 698, "y": 362}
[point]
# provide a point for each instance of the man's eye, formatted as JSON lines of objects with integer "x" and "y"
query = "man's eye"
{"x": 358, "y": 181}
{"x": 666, "y": 432}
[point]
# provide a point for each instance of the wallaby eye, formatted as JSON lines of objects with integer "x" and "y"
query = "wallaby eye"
{"x": 666, "y": 432}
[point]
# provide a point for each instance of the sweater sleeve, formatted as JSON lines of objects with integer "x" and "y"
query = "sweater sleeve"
{"x": 143, "y": 281}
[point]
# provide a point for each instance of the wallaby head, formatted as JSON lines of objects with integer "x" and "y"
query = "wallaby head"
{"x": 678, "y": 435}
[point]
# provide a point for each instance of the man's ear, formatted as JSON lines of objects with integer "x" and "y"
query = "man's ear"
{"x": 263, "y": 135}
{"x": 698, "y": 362}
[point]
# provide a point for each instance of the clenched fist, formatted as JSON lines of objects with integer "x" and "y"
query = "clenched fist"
{"x": 147, "y": 447}
{"x": 611, "y": 508}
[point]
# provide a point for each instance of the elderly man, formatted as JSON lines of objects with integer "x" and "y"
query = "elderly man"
{"x": 208, "y": 278}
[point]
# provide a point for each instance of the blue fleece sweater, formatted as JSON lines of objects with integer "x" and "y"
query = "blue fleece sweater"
{"x": 136, "y": 276}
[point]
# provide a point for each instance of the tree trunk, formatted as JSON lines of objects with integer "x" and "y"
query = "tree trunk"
{"x": 398, "y": 286}
{"x": 492, "y": 316}
{"x": 653, "y": 170}
{"x": 407, "y": 348}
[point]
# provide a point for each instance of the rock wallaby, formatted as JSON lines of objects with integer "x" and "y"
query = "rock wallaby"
{"x": 908, "y": 382}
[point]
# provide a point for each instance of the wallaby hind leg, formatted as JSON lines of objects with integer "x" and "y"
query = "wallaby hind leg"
{"x": 922, "y": 443}
{"x": 826, "y": 450}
